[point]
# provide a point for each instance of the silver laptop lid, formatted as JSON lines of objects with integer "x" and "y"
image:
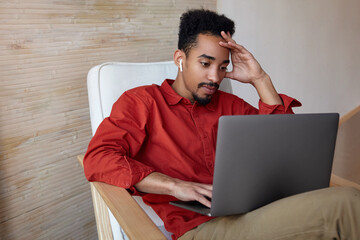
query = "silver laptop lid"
{"x": 262, "y": 158}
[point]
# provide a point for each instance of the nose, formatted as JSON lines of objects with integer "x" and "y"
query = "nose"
{"x": 215, "y": 75}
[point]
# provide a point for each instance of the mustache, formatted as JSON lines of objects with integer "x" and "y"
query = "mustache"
{"x": 210, "y": 84}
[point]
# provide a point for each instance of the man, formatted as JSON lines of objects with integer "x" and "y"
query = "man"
{"x": 159, "y": 141}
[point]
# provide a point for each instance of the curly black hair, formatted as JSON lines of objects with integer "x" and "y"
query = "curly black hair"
{"x": 201, "y": 21}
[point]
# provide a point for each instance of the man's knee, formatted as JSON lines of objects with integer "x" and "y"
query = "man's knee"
{"x": 343, "y": 199}
{"x": 345, "y": 193}
{"x": 351, "y": 196}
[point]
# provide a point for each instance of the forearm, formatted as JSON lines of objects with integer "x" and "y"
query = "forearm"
{"x": 266, "y": 90}
{"x": 158, "y": 183}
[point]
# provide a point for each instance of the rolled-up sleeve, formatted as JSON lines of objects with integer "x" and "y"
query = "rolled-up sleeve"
{"x": 285, "y": 108}
{"x": 111, "y": 151}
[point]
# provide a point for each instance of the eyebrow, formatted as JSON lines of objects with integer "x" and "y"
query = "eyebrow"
{"x": 211, "y": 58}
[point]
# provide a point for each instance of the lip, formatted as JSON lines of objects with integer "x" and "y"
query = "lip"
{"x": 209, "y": 90}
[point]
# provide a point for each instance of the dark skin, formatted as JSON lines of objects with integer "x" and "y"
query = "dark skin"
{"x": 207, "y": 63}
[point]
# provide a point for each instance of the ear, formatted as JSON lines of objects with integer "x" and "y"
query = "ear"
{"x": 179, "y": 55}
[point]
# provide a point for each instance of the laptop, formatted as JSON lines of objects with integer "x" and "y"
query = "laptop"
{"x": 263, "y": 158}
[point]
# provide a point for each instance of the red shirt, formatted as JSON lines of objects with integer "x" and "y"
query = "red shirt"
{"x": 152, "y": 128}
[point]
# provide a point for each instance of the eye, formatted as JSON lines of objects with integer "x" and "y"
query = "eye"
{"x": 224, "y": 69}
{"x": 205, "y": 64}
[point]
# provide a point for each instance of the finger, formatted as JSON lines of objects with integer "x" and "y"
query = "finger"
{"x": 230, "y": 37}
{"x": 204, "y": 192}
{"x": 206, "y": 186}
{"x": 224, "y": 35}
{"x": 234, "y": 46}
{"x": 187, "y": 191}
{"x": 231, "y": 46}
{"x": 229, "y": 75}
{"x": 203, "y": 200}
{"x": 227, "y": 37}
{"x": 202, "y": 189}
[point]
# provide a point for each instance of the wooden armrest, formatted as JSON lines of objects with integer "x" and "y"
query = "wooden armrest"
{"x": 131, "y": 217}
{"x": 337, "y": 181}
{"x": 346, "y": 164}
{"x": 349, "y": 115}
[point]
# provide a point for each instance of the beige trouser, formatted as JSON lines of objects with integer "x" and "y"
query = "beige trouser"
{"x": 332, "y": 213}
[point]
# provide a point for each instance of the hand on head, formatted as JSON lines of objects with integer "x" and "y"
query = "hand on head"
{"x": 246, "y": 68}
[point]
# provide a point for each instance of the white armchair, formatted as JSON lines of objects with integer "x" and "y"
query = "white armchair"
{"x": 106, "y": 82}
{"x": 114, "y": 207}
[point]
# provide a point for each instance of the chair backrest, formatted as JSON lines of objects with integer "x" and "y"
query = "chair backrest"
{"x": 106, "y": 83}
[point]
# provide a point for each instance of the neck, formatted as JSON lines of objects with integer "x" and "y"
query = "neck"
{"x": 179, "y": 88}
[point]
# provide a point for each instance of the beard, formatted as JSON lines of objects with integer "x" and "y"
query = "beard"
{"x": 207, "y": 99}
{"x": 202, "y": 101}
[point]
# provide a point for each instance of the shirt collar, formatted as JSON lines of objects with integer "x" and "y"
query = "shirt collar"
{"x": 172, "y": 98}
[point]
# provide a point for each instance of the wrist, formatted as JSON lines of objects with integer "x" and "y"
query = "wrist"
{"x": 173, "y": 185}
{"x": 261, "y": 80}
{"x": 267, "y": 91}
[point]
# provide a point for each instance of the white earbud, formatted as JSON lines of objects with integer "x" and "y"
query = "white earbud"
{"x": 181, "y": 69}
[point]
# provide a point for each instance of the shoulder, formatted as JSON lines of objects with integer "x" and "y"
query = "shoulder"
{"x": 143, "y": 92}
{"x": 143, "y": 95}
{"x": 135, "y": 101}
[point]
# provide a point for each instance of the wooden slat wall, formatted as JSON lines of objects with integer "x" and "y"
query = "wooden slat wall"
{"x": 47, "y": 48}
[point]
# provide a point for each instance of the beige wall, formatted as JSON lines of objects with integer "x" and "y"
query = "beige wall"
{"x": 310, "y": 48}
{"x": 46, "y": 49}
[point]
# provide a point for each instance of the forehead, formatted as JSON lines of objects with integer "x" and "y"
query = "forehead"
{"x": 209, "y": 45}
